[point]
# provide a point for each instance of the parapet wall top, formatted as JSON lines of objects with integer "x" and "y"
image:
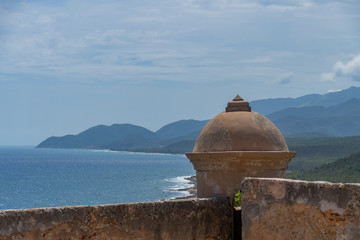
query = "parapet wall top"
{"x": 238, "y": 104}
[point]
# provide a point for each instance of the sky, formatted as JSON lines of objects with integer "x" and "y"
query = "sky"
{"x": 66, "y": 66}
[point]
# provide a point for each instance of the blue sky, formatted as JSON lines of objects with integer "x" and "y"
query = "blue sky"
{"x": 68, "y": 65}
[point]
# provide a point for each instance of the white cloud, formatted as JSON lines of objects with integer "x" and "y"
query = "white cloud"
{"x": 285, "y": 78}
{"x": 334, "y": 90}
{"x": 349, "y": 69}
{"x": 145, "y": 19}
{"x": 108, "y": 37}
{"x": 233, "y": 5}
{"x": 120, "y": 40}
{"x": 328, "y": 77}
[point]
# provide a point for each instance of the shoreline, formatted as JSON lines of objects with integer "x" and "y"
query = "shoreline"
{"x": 108, "y": 150}
{"x": 190, "y": 190}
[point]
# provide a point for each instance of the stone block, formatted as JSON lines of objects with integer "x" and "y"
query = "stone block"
{"x": 178, "y": 219}
{"x": 289, "y": 209}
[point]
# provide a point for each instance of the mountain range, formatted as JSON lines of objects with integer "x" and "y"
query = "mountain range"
{"x": 271, "y": 105}
{"x": 170, "y": 138}
{"x": 338, "y": 120}
{"x": 332, "y": 114}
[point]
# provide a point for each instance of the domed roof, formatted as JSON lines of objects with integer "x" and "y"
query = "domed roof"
{"x": 240, "y": 129}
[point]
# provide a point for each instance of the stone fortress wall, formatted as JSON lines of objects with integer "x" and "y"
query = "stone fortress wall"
{"x": 289, "y": 209}
{"x": 177, "y": 219}
{"x": 271, "y": 209}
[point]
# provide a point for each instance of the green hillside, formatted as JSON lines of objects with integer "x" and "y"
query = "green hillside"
{"x": 180, "y": 147}
{"x": 313, "y": 152}
{"x": 343, "y": 170}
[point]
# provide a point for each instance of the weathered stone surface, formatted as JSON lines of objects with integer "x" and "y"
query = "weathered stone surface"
{"x": 181, "y": 219}
{"x": 235, "y": 144}
{"x": 221, "y": 173}
{"x": 240, "y": 131}
{"x": 289, "y": 209}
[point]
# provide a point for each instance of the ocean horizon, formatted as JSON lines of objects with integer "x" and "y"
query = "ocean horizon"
{"x": 36, "y": 177}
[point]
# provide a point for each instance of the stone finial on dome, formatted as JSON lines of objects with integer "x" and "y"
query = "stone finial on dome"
{"x": 238, "y": 98}
{"x": 238, "y": 104}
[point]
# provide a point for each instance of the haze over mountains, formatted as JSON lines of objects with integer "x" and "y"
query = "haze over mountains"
{"x": 339, "y": 120}
{"x": 267, "y": 106}
{"x": 175, "y": 137}
{"x": 332, "y": 114}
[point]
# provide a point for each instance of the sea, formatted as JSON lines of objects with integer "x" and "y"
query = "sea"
{"x": 35, "y": 178}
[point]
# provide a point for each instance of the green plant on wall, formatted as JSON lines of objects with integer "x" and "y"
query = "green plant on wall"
{"x": 237, "y": 199}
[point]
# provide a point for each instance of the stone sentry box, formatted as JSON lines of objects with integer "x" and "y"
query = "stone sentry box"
{"x": 235, "y": 144}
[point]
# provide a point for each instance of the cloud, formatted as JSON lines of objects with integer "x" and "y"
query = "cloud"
{"x": 334, "y": 90}
{"x": 285, "y": 78}
{"x": 349, "y": 69}
{"x": 272, "y": 5}
{"x": 328, "y": 77}
{"x": 257, "y": 60}
{"x": 121, "y": 41}
{"x": 145, "y": 19}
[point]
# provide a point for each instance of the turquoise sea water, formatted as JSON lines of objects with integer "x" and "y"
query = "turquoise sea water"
{"x": 32, "y": 178}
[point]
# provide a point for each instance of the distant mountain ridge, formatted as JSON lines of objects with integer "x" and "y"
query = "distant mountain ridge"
{"x": 268, "y": 106}
{"x": 338, "y": 120}
{"x": 332, "y": 114}
{"x": 180, "y": 128}
{"x": 128, "y": 137}
{"x": 98, "y": 137}
{"x": 348, "y": 108}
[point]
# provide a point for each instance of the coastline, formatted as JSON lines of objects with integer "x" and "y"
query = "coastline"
{"x": 190, "y": 190}
{"x": 109, "y": 150}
